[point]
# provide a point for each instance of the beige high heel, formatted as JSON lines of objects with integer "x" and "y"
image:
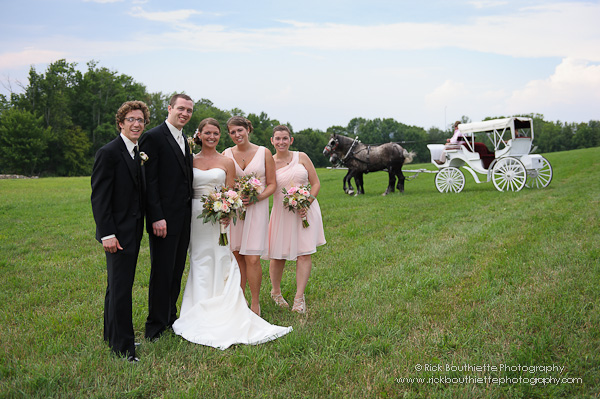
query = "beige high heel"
{"x": 299, "y": 305}
{"x": 279, "y": 300}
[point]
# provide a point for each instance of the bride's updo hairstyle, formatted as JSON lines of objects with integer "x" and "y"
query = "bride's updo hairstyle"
{"x": 240, "y": 121}
{"x": 204, "y": 122}
{"x": 282, "y": 128}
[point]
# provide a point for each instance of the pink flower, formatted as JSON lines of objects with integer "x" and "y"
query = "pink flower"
{"x": 292, "y": 190}
{"x": 224, "y": 207}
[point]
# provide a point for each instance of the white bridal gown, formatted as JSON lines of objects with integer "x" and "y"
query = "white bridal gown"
{"x": 214, "y": 311}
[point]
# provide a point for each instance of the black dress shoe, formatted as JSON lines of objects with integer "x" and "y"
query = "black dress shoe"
{"x": 132, "y": 359}
{"x": 136, "y": 344}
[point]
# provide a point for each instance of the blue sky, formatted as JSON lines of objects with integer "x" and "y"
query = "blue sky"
{"x": 316, "y": 64}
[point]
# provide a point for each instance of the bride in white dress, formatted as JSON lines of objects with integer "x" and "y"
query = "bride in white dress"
{"x": 214, "y": 311}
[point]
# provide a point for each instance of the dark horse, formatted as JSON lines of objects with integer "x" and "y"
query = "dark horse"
{"x": 361, "y": 158}
{"x": 351, "y": 174}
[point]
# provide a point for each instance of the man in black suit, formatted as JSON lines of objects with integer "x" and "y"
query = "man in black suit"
{"x": 168, "y": 212}
{"x": 118, "y": 203}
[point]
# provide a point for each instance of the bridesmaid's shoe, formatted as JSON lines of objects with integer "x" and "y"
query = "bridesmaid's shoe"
{"x": 299, "y": 305}
{"x": 278, "y": 298}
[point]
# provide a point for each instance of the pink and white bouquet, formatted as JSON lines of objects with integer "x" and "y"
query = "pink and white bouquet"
{"x": 219, "y": 204}
{"x": 248, "y": 186}
{"x": 296, "y": 197}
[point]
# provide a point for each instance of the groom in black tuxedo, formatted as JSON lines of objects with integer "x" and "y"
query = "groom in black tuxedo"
{"x": 169, "y": 212}
{"x": 118, "y": 203}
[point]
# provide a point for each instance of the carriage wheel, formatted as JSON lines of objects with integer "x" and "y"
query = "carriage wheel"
{"x": 539, "y": 178}
{"x": 449, "y": 179}
{"x": 509, "y": 174}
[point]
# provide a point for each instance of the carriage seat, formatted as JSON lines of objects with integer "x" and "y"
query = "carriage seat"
{"x": 485, "y": 154}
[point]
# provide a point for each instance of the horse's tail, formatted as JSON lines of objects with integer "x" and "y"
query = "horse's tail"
{"x": 408, "y": 156}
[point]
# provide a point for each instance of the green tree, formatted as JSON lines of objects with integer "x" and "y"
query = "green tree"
{"x": 158, "y": 104}
{"x": 51, "y": 96}
{"x": 74, "y": 148}
{"x": 23, "y": 142}
{"x": 97, "y": 97}
{"x": 587, "y": 135}
{"x": 4, "y": 104}
{"x": 263, "y": 129}
{"x": 204, "y": 108}
{"x": 312, "y": 142}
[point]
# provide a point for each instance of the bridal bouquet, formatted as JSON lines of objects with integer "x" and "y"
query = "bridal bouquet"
{"x": 220, "y": 204}
{"x": 296, "y": 197}
{"x": 249, "y": 186}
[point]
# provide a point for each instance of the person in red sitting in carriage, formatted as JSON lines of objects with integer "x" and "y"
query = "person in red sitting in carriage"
{"x": 451, "y": 142}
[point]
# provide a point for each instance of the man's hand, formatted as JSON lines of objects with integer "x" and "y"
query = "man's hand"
{"x": 111, "y": 245}
{"x": 159, "y": 228}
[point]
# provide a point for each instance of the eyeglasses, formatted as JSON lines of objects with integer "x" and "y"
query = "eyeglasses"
{"x": 138, "y": 120}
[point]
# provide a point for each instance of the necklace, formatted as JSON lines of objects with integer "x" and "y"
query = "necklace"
{"x": 290, "y": 159}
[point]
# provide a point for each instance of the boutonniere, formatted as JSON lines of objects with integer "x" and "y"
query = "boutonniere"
{"x": 191, "y": 143}
{"x": 144, "y": 157}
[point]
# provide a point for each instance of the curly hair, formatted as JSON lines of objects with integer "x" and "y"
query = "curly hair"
{"x": 204, "y": 122}
{"x": 240, "y": 121}
{"x": 129, "y": 106}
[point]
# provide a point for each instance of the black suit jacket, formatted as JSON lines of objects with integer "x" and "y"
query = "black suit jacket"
{"x": 118, "y": 199}
{"x": 168, "y": 179}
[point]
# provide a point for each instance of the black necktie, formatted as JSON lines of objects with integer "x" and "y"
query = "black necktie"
{"x": 138, "y": 164}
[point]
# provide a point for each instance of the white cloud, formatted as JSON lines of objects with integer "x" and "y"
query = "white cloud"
{"x": 171, "y": 17}
{"x": 575, "y": 83}
{"x": 487, "y": 3}
{"x": 29, "y": 56}
{"x": 103, "y": 1}
{"x": 447, "y": 93}
{"x": 527, "y": 32}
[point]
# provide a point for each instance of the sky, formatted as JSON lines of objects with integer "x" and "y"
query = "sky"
{"x": 320, "y": 63}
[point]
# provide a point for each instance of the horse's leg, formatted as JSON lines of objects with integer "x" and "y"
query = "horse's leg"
{"x": 349, "y": 176}
{"x": 358, "y": 179}
{"x": 345, "y": 180}
{"x": 401, "y": 179}
{"x": 391, "y": 181}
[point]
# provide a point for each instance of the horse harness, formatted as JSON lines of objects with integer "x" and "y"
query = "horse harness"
{"x": 350, "y": 153}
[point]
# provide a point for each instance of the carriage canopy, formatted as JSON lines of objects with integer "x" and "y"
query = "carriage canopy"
{"x": 500, "y": 131}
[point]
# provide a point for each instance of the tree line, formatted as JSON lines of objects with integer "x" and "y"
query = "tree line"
{"x": 60, "y": 118}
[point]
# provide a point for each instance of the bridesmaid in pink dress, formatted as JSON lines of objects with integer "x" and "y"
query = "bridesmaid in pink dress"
{"x": 288, "y": 240}
{"x": 249, "y": 238}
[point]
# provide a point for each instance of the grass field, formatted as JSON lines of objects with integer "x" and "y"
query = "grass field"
{"x": 416, "y": 295}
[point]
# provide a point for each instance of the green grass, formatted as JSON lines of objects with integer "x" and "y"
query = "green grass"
{"x": 439, "y": 280}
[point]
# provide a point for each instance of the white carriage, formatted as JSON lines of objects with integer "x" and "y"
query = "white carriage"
{"x": 510, "y": 165}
